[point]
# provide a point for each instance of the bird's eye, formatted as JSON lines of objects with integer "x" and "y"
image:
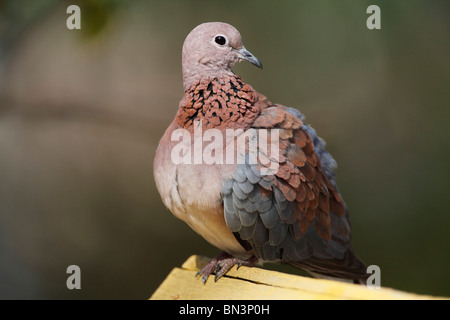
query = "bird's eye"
{"x": 220, "y": 40}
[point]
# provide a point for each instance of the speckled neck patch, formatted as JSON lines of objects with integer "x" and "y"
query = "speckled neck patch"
{"x": 219, "y": 103}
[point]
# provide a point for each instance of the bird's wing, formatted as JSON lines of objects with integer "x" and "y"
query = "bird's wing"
{"x": 295, "y": 215}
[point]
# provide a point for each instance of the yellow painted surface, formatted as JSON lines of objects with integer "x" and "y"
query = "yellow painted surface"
{"x": 259, "y": 284}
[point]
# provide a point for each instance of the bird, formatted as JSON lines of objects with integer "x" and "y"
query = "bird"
{"x": 292, "y": 214}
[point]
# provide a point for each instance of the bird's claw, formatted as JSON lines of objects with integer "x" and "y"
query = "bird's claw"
{"x": 221, "y": 264}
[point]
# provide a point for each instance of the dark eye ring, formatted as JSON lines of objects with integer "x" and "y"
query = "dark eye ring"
{"x": 220, "y": 40}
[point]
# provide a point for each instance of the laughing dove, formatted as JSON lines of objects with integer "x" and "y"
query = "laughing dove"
{"x": 261, "y": 204}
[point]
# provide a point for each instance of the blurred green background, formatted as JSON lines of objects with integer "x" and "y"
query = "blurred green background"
{"x": 82, "y": 111}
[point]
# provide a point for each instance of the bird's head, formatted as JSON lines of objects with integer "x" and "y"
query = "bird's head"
{"x": 211, "y": 50}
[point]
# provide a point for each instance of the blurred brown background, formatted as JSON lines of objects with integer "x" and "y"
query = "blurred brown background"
{"x": 82, "y": 111}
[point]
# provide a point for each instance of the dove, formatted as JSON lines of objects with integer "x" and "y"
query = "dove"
{"x": 277, "y": 202}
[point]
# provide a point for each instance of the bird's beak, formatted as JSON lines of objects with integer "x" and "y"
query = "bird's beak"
{"x": 244, "y": 54}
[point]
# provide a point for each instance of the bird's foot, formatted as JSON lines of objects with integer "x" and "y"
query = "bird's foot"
{"x": 221, "y": 264}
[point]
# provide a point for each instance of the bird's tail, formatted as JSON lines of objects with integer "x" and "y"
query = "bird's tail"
{"x": 350, "y": 268}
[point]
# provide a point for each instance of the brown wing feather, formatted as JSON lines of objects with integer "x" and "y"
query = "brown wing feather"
{"x": 300, "y": 177}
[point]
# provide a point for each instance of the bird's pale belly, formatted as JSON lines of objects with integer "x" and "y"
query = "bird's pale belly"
{"x": 193, "y": 194}
{"x": 202, "y": 207}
